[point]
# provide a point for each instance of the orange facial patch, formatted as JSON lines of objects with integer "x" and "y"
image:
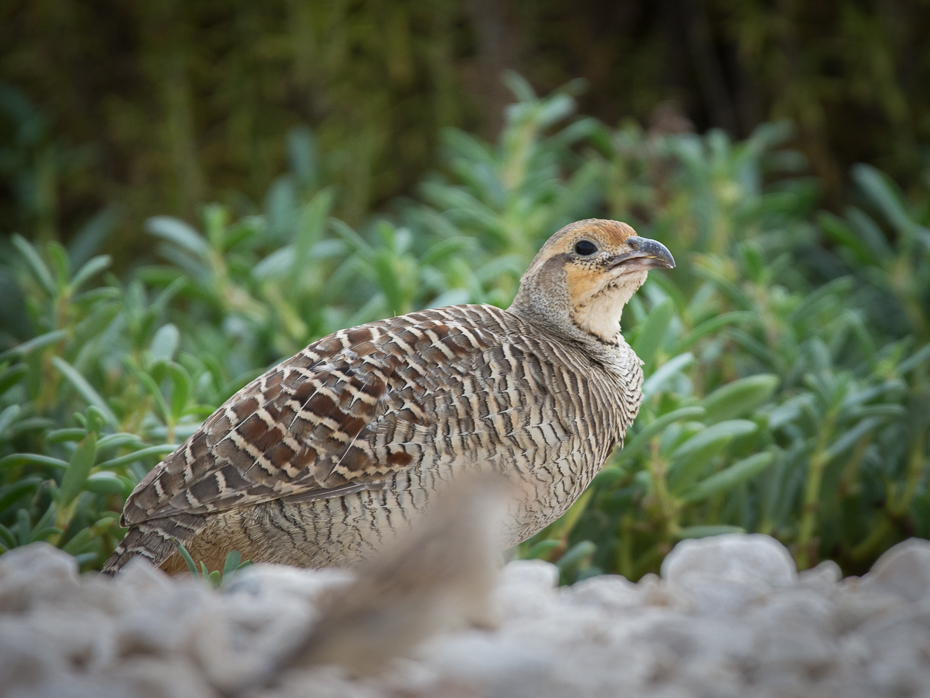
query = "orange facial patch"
{"x": 582, "y": 283}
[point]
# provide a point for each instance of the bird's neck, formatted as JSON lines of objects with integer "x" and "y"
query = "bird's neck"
{"x": 563, "y": 328}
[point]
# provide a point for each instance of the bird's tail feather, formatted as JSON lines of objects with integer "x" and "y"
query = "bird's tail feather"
{"x": 155, "y": 540}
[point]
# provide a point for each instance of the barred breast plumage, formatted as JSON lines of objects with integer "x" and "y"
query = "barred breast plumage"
{"x": 326, "y": 456}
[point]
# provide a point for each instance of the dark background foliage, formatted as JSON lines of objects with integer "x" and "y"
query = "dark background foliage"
{"x": 160, "y": 106}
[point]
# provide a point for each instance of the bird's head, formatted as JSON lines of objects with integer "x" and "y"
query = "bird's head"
{"x": 584, "y": 275}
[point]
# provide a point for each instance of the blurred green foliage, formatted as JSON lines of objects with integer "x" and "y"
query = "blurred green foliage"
{"x": 215, "y": 578}
{"x": 787, "y": 357}
{"x": 160, "y": 106}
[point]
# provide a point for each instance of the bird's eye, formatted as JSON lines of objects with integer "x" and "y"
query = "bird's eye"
{"x": 585, "y": 248}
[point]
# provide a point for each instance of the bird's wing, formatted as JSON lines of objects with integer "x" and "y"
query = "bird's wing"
{"x": 340, "y": 416}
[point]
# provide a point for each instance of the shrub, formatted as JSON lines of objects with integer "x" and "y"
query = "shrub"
{"x": 786, "y": 358}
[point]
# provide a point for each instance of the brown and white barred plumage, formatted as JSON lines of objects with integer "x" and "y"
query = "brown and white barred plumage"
{"x": 327, "y": 455}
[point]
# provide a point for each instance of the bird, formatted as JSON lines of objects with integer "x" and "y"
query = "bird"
{"x": 328, "y": 456}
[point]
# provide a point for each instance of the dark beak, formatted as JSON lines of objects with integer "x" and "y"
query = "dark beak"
{"x": 645, "y": 254}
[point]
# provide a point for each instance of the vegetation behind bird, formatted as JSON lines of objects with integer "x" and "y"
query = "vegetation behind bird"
{"x": 787, "y": 358}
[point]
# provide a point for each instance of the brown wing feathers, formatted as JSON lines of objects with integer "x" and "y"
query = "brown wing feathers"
{"x": 300, "y": 430}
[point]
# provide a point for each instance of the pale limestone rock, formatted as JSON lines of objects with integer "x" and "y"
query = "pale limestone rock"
{"x": 151, "y": 677}
{"x": 898, "y": 647}
{"x": 27, "y": 655}
{"x": 823, "y": 576}
{"x": 34, "y": 573}
{"x": 608, "y": 590}
{"x": 728, "y": 619}
{"x": 855, "y": 605}
{"x": 903, "y": 570}
{"x": 525, "y": 588}
{"x": 489, "y": 664}
{"x": 282, "y": 580}
{"x": 531, "y": 573}
{"x": 734, "y": 557}
{"x": 139, "y": 576}
{"x": 723, "y": 574}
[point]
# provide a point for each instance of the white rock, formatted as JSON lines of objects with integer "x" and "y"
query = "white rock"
{"x": 526, "y": 588}
{"x": 608, "y": 590}
{"x": 73, "y": 686}
{"x": 723, "y": 574}
{"x": 823, "y": 576}
{"x": 164, "y": 678}
{"x": 903, "y": 570}
{"x": 282, "y": 580}
{"x": 897, "y": 652}
{"x": 732, "y": 557}
{"x": 701, "y": 640}
{"x": 713, "y": 596}
{"x": 266, "y": 622}
{"x": 489, "y": 663}
{"x": 794, "y": 632}
{"x": 27, "y": 656}
{"x": 142, "y": 577}
{"x": 79, "y": 636}
{"x": 726, "y": 620}
{"x": 656, "y": 592}
{"x": 324, "y": 682}
{"x": 800, "y": 610}
{"x": 34, "y": 573}
{"x": 856, "y": 605}
{"x": 162, "y": 623}
{"x": 557, "y": 625}
{"x": 531, "y": 573}
{"x": 270, "y": 606}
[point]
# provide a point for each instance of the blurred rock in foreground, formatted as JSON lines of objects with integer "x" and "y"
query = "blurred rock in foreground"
{"x": 730, "y": 616}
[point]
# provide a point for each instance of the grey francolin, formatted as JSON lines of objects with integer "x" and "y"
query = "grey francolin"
{"x": 328, "y": 455}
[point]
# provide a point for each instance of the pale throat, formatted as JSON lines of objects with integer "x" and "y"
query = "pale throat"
{"x": 598, "y": 307}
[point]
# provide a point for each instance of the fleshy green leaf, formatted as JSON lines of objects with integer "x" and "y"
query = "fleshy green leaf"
{"x": 180, "y": 233}
{"x": 160, "y": 450}
{"x": 707, "y": 531}
{"x": 723, "y": 432}
{"x": 165, "y": 343}
{"x": 82, "y": 460}
{"x": 89, "y": 270}
{"x": 646, "y": 434}
{"x": 43, "y": 340}
{"x": 85, "y": 389}
{"x": 541, "y": 549}
{"x": 653, "y": 331}
{"x": 34, "y": 458}
{"x": 740, "y": 397}
{"x": 728, "y": 478}
{"x": 665, "y": 373}
{"x": 38, "y": 268}
{"x": 104, "y": 482}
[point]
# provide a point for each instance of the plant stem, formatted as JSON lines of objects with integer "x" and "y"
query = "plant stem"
{"x": 625, "y": 554}
{"x": 667, "y": 508}
{"x": 812, "y": 494}
{"x": 872, "y": 541}
{"x": 898, "y": 505}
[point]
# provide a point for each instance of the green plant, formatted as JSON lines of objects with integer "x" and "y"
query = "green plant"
{"x": 786, "y": 390}
{"x": 215, "y": 578}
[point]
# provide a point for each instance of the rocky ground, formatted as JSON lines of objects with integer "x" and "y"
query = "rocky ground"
{"x": 729, "y": 616}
